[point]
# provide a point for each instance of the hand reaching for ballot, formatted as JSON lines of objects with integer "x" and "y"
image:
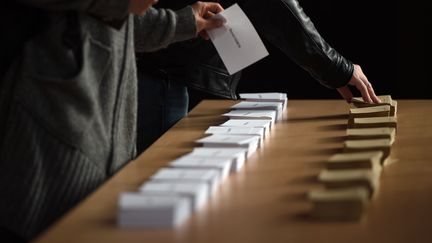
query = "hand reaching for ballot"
{"x": 140, "y": 6}
{"x": 204, "y": 11}
{"x": 360, "y": 81}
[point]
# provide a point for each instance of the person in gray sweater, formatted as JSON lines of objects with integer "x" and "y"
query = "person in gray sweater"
{"x": 68, "y": 101}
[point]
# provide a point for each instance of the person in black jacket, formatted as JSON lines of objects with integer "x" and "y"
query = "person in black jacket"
{"x": 169, "y": 72}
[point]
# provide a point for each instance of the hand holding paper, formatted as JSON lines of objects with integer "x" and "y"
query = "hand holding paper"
{"x": 203, "y": 14}
{"x": 237, "y": 42}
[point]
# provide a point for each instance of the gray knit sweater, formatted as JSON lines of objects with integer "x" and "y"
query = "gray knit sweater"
{"x": 68, "y": 106}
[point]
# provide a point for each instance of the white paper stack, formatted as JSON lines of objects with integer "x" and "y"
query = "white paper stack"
{"x": 197, "y": 192}
{"x": 139, "y": 210}
{"x": 230, "y": 141}
{"x": 260, "y": 105}
{"x": 252, "y": 115}
{"x": 256, "y": 131}
{"x": 249, "y": 123}
{"x": 270, "y": 97}
{"x": 190, "y": 162}
{"x": 209, "y": 176}
{"x": 237, "y": 155}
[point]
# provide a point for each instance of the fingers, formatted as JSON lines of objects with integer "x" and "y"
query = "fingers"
{"x": 205, "y": 16}
{"x": 208, "y": 24}
{"x": 360, "y": 81}
{"x": 345, "y": 92}
{"x": 213, "y": 7}
{"x": 364, "y": 91}
{"x": 370, "y": 89}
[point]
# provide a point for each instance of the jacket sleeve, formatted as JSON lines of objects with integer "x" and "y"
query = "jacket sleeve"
{"x": 158, "y": 28}
{"x": 292, "y": 31}
{"x": 114, "y": 9}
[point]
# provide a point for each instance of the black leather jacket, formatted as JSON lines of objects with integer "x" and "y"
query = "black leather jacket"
{"x": 282, "y": 22}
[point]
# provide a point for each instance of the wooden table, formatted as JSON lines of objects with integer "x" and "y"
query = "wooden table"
{"x": 265, "y": 202}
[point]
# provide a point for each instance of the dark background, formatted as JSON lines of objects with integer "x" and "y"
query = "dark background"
{"x": 389, "y": 39}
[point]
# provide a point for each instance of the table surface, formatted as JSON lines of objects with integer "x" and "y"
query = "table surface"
{"x": 265, "y": 201}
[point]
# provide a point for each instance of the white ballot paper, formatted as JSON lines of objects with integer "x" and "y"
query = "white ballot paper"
{"x": 258, "y": 131}
{"x": 240, "y": 141}
{"x": 237, "y": 155}
{"x": 197, "y": 192}
{"x": 266, "y": 124}
{"x": 271, "y": 97}
{"x": 252, "y": 114}
{"x": 237, "y": 42}
{"x": 209, "y": 176}
{"x": 137, "y": 210}
{"x": 190, "y": 162}
{"x": 260, "y": 105}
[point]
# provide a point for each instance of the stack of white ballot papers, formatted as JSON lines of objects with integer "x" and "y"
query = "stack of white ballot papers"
{"x": 226, "y": 141}
{"x": 190, "y": 162}
{"x": 185, "y": 184}
{"x": 266, "y": 97}
{"x": 209, "y": 176}
{"x": 266, "y": 124}
{"x": 152, "y": 211}
{"x": 260, "y": 105}
{"x": 252, "y": 115}
{"x": 236, "y": 155}
{"x": 256, "y": 131}
{"x": 197, "y": 192}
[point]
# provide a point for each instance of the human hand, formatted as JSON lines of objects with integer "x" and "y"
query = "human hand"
{"x": 140, "y": 6}
{"x": 360, "y": 81}
{"x": 204, "y": 11}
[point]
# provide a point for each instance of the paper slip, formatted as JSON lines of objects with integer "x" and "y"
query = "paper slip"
{"x": 369, "y": 145}
{"x": 362, "y": 160}
{"x": 270, "y": 97}
{"x": 385, "y": 100}
{"x": 374, "y": 122}
{"x": 372, "y": 133}
{"x": 174, "y": 175}
{"x": 188, "y": 162}
{"x": 252, "y": 114}
{"x": 248, "y": 123}
{"x": 197, "y": 192}
{"x": 339, "y": 204}
{"x": 139, "y": 210}
{"x": 258, "y": 131}
{"x": 222, "y": 141}
{"x": 350, "y": 178}
{"x": 238, "y": 155}
{"x": 252, "y": 105}
{"x": 237, "y": 42}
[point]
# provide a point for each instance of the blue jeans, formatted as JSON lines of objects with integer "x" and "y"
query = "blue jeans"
{"x": 161, "y": 103}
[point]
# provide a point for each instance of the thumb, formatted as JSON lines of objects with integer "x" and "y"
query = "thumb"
{"x": 212, "y": 23}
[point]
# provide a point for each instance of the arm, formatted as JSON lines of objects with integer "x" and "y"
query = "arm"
{"x": 158, "y": 28}
{"x": 292, "y": 31}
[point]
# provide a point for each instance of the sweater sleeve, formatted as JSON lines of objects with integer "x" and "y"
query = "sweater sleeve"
{"x": 158, "y": 28}
{"x": 114, "y": 9}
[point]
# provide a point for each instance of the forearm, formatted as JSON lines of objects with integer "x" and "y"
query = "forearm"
{"x": 158, "y": 28}
{"x": 114, "y": 9}
{"x": 292, "y": 31}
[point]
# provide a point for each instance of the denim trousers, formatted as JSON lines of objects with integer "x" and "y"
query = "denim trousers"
{"x": 161, "y": 103}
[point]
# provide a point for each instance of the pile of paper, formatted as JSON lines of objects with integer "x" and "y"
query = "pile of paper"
{"x": 136, "y": 210}
{"x": 185, "y": 185}
{"x": 352, "y": 178}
